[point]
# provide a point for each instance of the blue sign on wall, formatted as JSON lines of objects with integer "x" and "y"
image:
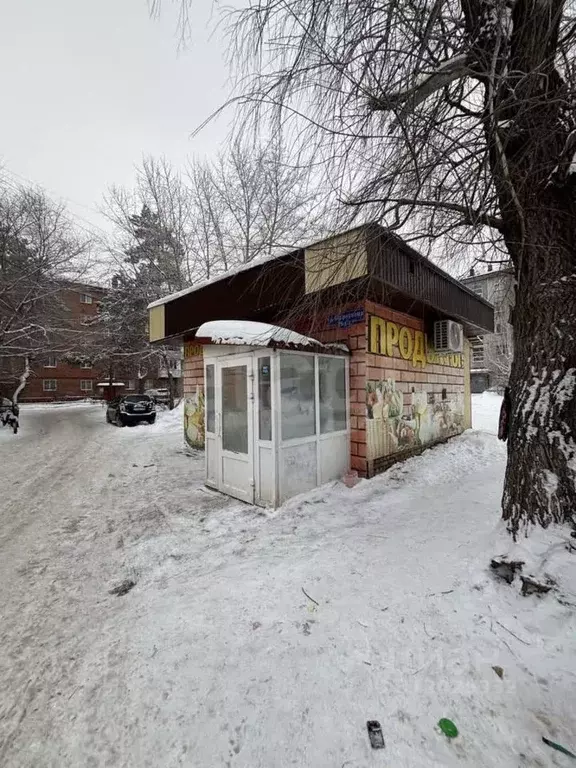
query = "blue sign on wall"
{"x": 346, "y": 319}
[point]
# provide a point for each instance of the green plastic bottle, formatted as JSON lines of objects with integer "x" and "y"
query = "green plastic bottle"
{"x": 448, "y": 728}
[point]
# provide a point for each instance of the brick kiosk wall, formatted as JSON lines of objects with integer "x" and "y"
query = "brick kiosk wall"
{"x": 398, "y": 404}
{"x": 413, "y": 396}
{"x": 193, "y": 374}
{"x": 429, "y": 398}
{"x": 193, "y": 392}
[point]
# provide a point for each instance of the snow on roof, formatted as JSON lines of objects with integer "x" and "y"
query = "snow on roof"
{"x": 252, "y": 334}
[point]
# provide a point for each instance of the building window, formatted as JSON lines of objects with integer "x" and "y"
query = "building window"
{"x": 131, "y": 384}
{"x": 85, "y": 298}
{"x": 49, "y": 385}
{"x": 477, "y": 346}
{"x": 264, "y": 401}
{"x": 149, "y": 384}
{"x": 51, "y": 362}
{"x": 86, "y": 365}
{"x": 480, "y": 289}
{"x": 86, "y": 385}
{"x": 332, "y": 385}
{"x": 210, "y": 401}
{"x": 298, "y": 402}
{"x": 235, "y": 408}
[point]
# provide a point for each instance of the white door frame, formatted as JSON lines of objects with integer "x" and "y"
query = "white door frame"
{"x": 265, "y": 445}
{"x": 244, "y": 491}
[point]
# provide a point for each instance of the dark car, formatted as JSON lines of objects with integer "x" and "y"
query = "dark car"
{"x": 131, "y": 409}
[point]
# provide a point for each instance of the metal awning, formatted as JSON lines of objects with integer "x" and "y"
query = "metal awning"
{"x": 278, "y": 290}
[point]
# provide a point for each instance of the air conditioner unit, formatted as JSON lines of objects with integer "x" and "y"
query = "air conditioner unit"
{"x": 448, "y": 336}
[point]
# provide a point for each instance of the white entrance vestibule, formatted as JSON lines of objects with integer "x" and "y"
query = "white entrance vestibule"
{"x": 277, "y": 411}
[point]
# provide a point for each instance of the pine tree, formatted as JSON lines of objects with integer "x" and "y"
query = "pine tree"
{"x": 151, "y": 269}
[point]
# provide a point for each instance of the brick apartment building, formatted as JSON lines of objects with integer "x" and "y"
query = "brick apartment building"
{"x": 58, "y": 375}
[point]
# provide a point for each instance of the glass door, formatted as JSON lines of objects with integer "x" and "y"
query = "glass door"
{"x": 236, "y": 476}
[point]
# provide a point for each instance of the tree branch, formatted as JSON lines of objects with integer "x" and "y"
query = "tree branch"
{"x": 471, "y": 216}
{"x": 425, "y": 86}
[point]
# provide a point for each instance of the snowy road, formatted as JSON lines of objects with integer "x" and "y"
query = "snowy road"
{"x": 60, "y": 440}
{"x": 217, "y": 659}
{"x": 74, "y": 491}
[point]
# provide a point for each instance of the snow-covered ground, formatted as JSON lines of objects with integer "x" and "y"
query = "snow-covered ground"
{"x": 217, "y": 657}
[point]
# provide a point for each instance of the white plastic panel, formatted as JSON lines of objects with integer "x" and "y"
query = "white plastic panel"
{"x": 297, "y": 469}
{"x": 334, "y": 455}
{"x": 265, "y": 475}
{"x": 211, "y": 460}
{"x": 235, "y": 477}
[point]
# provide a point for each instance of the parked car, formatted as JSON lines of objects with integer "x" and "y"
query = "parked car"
{"x": 131, "y": 409}
{"x": 160, "y": 396}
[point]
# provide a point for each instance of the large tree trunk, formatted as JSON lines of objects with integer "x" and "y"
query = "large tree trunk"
{"x": 540, "y": 485}
{"x": 531, "y": 156}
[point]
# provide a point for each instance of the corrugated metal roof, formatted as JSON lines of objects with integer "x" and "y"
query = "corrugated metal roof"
{"x": 404, "y": 269}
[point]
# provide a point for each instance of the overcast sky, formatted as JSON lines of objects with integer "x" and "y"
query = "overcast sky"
{"x": 89, "y": 86}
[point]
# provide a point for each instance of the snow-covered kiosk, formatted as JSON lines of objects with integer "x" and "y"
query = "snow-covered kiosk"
{"x": 375, "y": 366}
{"x": 276, "y": 410}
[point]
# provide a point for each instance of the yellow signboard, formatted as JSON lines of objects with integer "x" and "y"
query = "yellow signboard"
{"x": 385, "y": 337}
{"x": 192, "y": 350}
{"x": 156, "y": 323}
{"x": 336, "y": 260}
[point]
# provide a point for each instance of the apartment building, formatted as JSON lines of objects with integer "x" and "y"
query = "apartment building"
{"x": 492, "y": 353}
{"x": 57, "y": 375}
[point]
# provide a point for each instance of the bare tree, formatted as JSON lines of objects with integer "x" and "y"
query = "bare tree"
{"x": 269, "y": 199}
{"x": 253, "y": 200}
{"x": 456, "y": 120}
{"x": 292, "y": 208}
{"x": 238, "y": 176}
{"x": 164, "y": 190}
{"x": 499, "y": 346}
{"x": 499, "y": 354}
{"x": 209, "y": 223}
{"x": 41, "y": 254}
